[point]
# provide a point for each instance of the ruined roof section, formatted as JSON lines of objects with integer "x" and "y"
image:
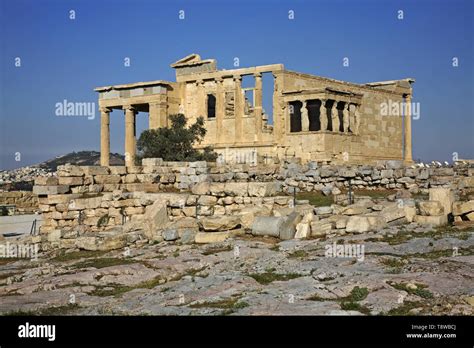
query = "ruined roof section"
{"x": 191, "y": 60}
{"x": 134, "y": 85}
{"x": 400, "y": 86}
{"x": 404, "y": 82}
{"x": 193, "y": 64}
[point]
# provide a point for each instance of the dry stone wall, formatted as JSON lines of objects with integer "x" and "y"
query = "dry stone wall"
{"x": 19, "y": 202}
{"x": 156, "y": 176}
{"x": 171, "y": 200}
{"x": 98, "y": 206}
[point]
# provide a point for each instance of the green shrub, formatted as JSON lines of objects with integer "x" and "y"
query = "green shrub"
{"x": 3, "y": 211}
{"x": 175, "y": 143}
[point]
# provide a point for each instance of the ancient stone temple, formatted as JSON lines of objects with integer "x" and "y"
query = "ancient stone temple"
{"x": 313, "y": 118}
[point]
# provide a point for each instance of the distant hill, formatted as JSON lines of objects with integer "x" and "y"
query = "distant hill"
{"x": 81, "y": 158}
{"x": 22, "y": 178}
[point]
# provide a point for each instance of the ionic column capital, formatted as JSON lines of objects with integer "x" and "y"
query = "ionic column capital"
{"x": 128, "y": 108}
{"x": 257, "y": 75}
{"x": 104, "y": 110}
{"x": 237, "y": 78}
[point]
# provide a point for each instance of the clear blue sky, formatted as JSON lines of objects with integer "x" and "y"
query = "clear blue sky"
{"x": 65, "y": 59}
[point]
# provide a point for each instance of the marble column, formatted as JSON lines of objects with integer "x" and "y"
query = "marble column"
{"x": 258, "y": 106}
{"x": 157, "y": 115}
{"x": 220, "y": 109}
{"x": 201, "y": 99}
{"x": 130, "y": 140}
{"x": 304, "y": 116}
{"x": 323, "y": 117}
{"x": 345, "y": 117}
{"x": 356, "y": 119}
{"x": 238, "y": 108}
{"x": 407, "y": 148}
{"x": 104, "y": 136}
{"x": 281, "y": 113}
{"x": 335, "y": 117}
{"x": 352, "y": 109}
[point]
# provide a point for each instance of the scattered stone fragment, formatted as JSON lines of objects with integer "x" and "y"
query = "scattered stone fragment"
{"x": 170, "y": 234}
{"x": 219, "y": 223}
{"x": 431, "y": 208}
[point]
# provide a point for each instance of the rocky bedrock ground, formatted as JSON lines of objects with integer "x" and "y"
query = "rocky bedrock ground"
{"x": 406, "y": 270}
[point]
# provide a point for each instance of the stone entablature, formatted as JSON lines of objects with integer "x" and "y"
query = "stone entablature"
{"x": 235, "y": 117}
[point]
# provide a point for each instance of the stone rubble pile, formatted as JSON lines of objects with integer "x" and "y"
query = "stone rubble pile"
{"x": 367, "y": 215}
{"x": 24, "y": 174}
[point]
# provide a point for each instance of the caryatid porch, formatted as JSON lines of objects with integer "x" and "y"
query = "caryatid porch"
{"x": 323, "y": 110}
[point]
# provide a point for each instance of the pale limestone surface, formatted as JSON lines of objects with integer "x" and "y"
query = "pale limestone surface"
{"x": 314, "y": 118}
{"x": 249, "y": 276}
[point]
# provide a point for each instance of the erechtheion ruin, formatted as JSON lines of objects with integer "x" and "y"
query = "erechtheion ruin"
{"x": 313, "y": 118}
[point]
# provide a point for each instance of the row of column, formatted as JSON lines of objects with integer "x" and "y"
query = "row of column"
{"x": 157, "y": 118}
{"x": 239, "y": 105}
{"x": 130, "y": 136}
{"x": 350, "y": 119}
